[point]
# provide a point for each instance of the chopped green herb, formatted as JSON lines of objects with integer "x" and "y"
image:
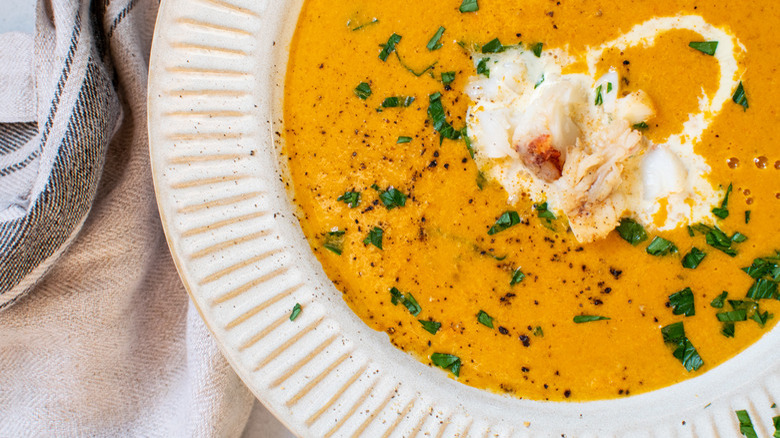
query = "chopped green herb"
{"x": 447, "y": 361}
{"x": 439, "y": 118}
{"x": 389, "y": 47}
{"x": 434, "y": 43}
{"x": 706, "y": 47}
{"x": 660, "y": 247}
{"x": 517, "y": 277}
{"x": 718, "y": 301}
{"x": 738, "y": 237}
{"x": 727, "y": 329}
{"x": 374, "y": 237}
{"x": 674, "y": 334}
{"x": 746, "y": 425}
{"x": 631, "y": 231}
{"x": 739, "y": 97}
{"x": 693, "y": 258}
{"x": 404, "y": 139}
{"x": 469, "y": 6}
{"x": 717, "y": 239}
{"x": 774, "y": 405}
{"x": 334, "y": 241}
{"x": 493, "y": 46}
{"x": 464, "y": 134}
{"x": 363, "y": 26}
{"x": 776, "y": 422}
{"x": 609, "y": 87}
{"x": 768, "y": 267}
{"x": 579, "y": 319}
{"x": 747, "y": 216}
{"x": 411, "y": 70}
{"x": 407, "y": 300}
{"x": 537, "y": 49}
{"x": 539, "y": 82}
{"x": 506, "y": 220}
{"x": 599, "y": 97}
{"x": 545, "y": 215}
{"x": 430, "y": 326}
{"x": 762, "y": 289}
{"x": 363, "y": 90}
{"x": 761, "y": 318}
{"x": 640, "y": 126}
{"x": 396, "y": 296}
{"x": 392, "y": 198}
{"x": 481, "y": 180}
{"x": 690, "y": 231}
{"x": 723, "y": 211}
{"x": 350, "y": 198}
{"x": 485, "y": 319}
{"x": 295, "y": 312}
{"x": 732, "y": 316}
{"x": 397, "y": 101}
{"x": 482, "y": 68}
{"x": 682, "y": 302}
{"x": 538, "y": 331}
{"x": 447, "y": 77}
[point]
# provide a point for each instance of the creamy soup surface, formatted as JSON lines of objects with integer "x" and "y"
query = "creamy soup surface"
{"x": 502, "y": 285}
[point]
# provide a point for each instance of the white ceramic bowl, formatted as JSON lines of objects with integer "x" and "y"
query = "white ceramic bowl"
{"x": 215, "y": 107}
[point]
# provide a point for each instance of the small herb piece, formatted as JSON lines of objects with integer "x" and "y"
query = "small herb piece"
{"x": 706, "y": 47}
{"x": 718, "y": 301}
{"x": 374, "y": 237}
{"x": 762, "y": 289}
{"x": 631, "y": 231}
{"x": 363, "y": 26}
{"x": 397, "y": 101}
{"x": 404, "y": 139}
{"x": 485, "y": 319}
{"x": 334, "y": 241}
{"x": 776, "y": 422}
{"x": 469, "y": 6}
{"x": 538, "y": 331}
{"x": 768, "y": 267}
{"x": 430, "y": 326}
{"x": 609, "y": 87}
{"x": 539, "y": 82}
{"x": 447, "y": 361}
{"x": 682, "y": 302}
{"x": 693, "y": 258}
{"x": 746, "y": 425}
{"x": 481, "y": 180}
{"x": 723, "y": 211}
{"x": 727, "y": 330}
{"x": 545, "y": 215}
{"x": 640, "y": 126}
{"x": 717, "y": 239}
{"x": 350, "y": 198}
{"x": 493, "y": 46}
{"x": 482, "y": 68}
{"x": 517, "y": 277}
{"x": 674, "y": 334}
{"x": 537, "y": 49}
{"x": 747, "y": 216}
{"x": 392, "y": 198}
{"x": 295, "y": 312}
{"x": 579, "y": 319}
{"x": 411, "y": 70}
{"x": 447, "y": 77}
{"x": 738, "y": 237}
{"x": 660, "y": 247}
{"x": 506, "y": 220}
{"x": 406, "y": 299}
{"x": 434, "y": 43}
{"x": 599, "y": 97}
{"x": 464, "y": 134}
{"x": 363, "y": 90}
{"x": 761, "y": 318}
{"x": 389, "y": 47}
{"x": 439, "y": 118}
{"x": 732, "y": 316}
{"x": 739, "y": 97}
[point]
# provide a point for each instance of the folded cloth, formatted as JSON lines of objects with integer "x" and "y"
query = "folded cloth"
{"x": 97, "y": 335}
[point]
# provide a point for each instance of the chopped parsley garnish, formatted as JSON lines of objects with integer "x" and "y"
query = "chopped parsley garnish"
{"x": 517, "y": 277}
{"x": 447, "y": 77}
{"x": 682, "y": 302}
{"x": 493, "y": 46}
{"x": 537, "y": 49}
{"x": 739, "y": 97}
{"x": 506, "y": 220}
{"x": 295, "y": 312}
{"x": 363, "y": 90}
{"x": 430, "y": 326}
{"x": 674, "y": 334}
{"x": 391, "y": 198}
{"x": 439, "y": 118}
{"x": 762, "y": 289}
{"x": 434, "y": 43}
{"x": 746, "y": 425}
{"x": 538, "y": 331}
{"x": 631, "y": 231}
{"x": 545, "y": 215}
{"x": 761, "y": 318}
{"x": 397, "y": 101}
{"x": 732, "y": 316}
{"x": 728, "y": 329}
{"x": 485, "y": 319}
{"x": 469, "y": 6}
{"x": 718, "y": 301}
{"x": 723, "y": 211}
{"x": 599, "y": 97}
{"x": 482, "y": 68}
{"x": 747, "y": 216}
{"x": 404, "y": 139}
{"x": 706, "y": 47}
{"x": 693, "y": 258}
{"x": 447, "y": 361}
{"x": 334, "y": 241}
{"x": 406, "y": 299}
{"x": 363, "y": 26}
{"x": 660, "y": 247}
{"x": 640, "y": 126}
{"x": 768, "y": 267}
{"x": 717, "y": 239}
{"x": 579, "y": 319}
{"x": 374, "y": 237}
{"x": 389, "y": 47}
{"x": 350, "y": 198}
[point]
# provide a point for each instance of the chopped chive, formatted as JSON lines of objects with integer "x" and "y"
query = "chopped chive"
{"x": 693, "y": 258}
{"x": 682, "y": 302}
{"x": 762, "y": 289}
{"x": 739, "y": 97}
{"x": 389, "y": 47}
{"x": 430, "y": 326}
{"x": 745, "y": 424}
{"x": 631, "y": 231}
{"x": 494, "y": 46}
{"x": 363, "y": 90}
{"x": 447, "y": 361}
{"x": 723, "y": 211}
{"x": 599, "y": 97}
{"x": 579, "y": 319}
{"x": 485, "y": 319}
{"x": 732, "y": 316}
{"x": 363, "y": 26}
{"x": 434, "y": 43}
{"x": 334, "y": 241}
{"x": 609, "y": 87}
{"x": 706, "y": 47}
{"x": 482, "y": 68}
{"x": 539, "y": 82}
{"x": 537, "y": 49}
{"x": 374, "y": 237}
{"x": 506, "y": 220}
{"x": 407, "y": 300}
{"x": 728, "y": 329}
{"x": 640, "y": 126}
{"x": 660, "y": 247}
{"x": 439, "y": 118}
{"x": 469, "y": 6}
{"x": 674, "y": 334}
{"x": 747, "y": 216}
{"x": 718, "y": 301}
{"x": 545, "y": 215}
{"x": 404, "y": 139}
{"x": 295, "y": 312}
